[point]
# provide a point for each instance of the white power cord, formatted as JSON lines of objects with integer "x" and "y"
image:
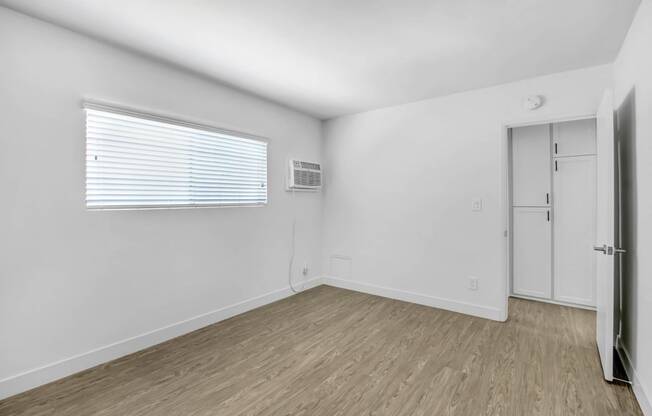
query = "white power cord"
{"x": 292, "y": 250}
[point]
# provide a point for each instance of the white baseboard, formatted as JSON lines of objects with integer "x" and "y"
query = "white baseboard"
{"x": 553, "y": 302}
{"x": 639, "y": 390}
{"x": 495, "y": 314}
{"x": 71, "y": 365}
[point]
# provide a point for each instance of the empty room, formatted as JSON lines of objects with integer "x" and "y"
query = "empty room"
{"x": 321, "y": 208}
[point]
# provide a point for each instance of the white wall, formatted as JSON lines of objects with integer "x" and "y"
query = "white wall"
{"x": 633, "y": 71}
{"x": 400, "y": 181}
{"x": 73, "y": 281}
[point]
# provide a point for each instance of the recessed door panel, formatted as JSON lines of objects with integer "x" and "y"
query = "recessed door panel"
{"x": 574, "y": 230}
{"x": 531, "y": 165}
{"x": 574, "y": 138}
{"x": 532, "y": 248}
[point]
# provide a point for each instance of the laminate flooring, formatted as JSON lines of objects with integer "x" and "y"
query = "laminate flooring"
{"x": 329, "y": 351}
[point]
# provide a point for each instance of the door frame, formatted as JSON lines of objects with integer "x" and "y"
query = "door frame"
{"x": 506, "y": 191}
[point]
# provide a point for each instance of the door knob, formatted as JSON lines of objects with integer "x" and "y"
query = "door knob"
{"x": 620, "y": 250}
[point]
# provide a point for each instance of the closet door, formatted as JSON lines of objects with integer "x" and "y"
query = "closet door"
{"x": 574, "y": 138}
{"x": 531, "y": 165}
{"x": 532, "y": 248}
{"x": 574, "y": 182}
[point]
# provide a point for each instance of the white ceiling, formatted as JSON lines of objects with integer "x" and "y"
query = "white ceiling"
{"x": 333, "y": 57}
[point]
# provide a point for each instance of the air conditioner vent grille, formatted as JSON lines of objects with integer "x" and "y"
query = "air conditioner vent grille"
{"x": 308, "y": 165}
{"x": 307, "y": 178}
{"x": 304, "y": 175}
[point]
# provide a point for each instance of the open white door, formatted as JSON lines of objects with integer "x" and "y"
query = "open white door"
{"x": 604, "y": 245}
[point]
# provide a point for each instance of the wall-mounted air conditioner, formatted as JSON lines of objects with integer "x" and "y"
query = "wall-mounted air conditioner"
{"x": 304, "y": 175}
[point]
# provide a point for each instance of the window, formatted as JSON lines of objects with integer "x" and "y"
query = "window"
{"x": 141, "y": 161}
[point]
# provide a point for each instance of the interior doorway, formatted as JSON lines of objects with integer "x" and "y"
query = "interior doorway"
{"x": 552, "y": 209}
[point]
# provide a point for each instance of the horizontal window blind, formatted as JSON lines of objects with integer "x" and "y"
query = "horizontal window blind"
{"x": 141, "y": 162}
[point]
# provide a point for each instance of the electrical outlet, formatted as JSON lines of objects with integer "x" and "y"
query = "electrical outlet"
{"x": 476, "y": 204}
{"x": 305, "y": 269}
{"x": 473, "y": 283}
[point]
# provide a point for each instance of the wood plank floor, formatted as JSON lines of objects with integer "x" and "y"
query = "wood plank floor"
{"x": 330, "y": 351}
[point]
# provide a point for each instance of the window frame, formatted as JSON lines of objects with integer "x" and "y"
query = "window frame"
{"x": 176, "y": 121}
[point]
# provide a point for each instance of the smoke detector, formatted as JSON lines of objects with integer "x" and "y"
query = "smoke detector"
{"x": 533, "y": 102}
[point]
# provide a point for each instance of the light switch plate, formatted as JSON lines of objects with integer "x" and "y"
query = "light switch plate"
{"x": 476, "y": 204}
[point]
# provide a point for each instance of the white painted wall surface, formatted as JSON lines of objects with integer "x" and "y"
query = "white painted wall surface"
{"x": 72, "y": 281}
{"x": 633, "y": 70}
{"x": 400, "y": 183}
